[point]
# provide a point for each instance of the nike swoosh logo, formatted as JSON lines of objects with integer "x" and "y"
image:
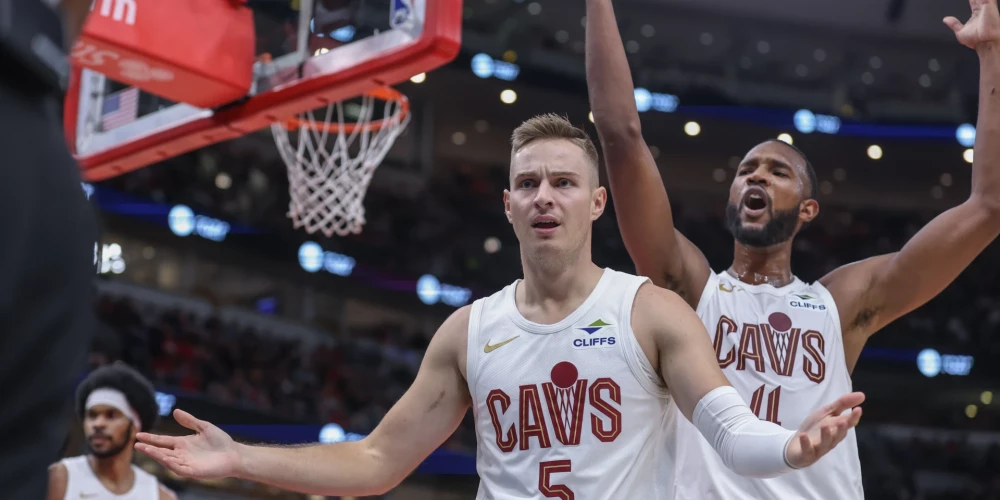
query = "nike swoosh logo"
{"x": 88, "y": 495}
{"x": 490, "y": 348}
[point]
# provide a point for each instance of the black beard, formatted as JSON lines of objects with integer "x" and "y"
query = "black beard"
{"x": 778, "y": 229}
{"x": 114, "y": 450}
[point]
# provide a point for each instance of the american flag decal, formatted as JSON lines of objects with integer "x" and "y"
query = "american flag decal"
{"x": 120, "y": 108}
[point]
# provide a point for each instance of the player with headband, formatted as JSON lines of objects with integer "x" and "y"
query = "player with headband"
{"x": 115, "y": 403}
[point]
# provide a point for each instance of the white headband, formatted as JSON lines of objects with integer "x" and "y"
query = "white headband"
{"x": 115, "y": 399}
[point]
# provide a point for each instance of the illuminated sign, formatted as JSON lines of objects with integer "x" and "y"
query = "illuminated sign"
{"x": 312, "y": 258}
{"x": 932, "y": 363}
{"x": 808, "y": 122}
{"x": 111, "y": 259}
{"x": 485, "y": 66}
{"x": 183, "y": 222}
{"x": 165, "y": 402}
{"x": 646, "y": 100}
{"x": 431, "y": 291}
{"x": 966, "y": 135}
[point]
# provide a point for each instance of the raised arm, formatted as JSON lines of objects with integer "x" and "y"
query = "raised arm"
{"x": 641, "y": 204}
{"x": 872, "y": 293}
{"x": 749, "y": 446}
{"x": 417, "y": 424}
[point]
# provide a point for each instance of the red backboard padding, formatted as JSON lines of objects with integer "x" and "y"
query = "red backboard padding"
{"x": 199, "y": 52}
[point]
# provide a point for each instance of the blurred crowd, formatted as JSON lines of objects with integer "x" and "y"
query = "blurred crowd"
{"x": 351, "y": 382}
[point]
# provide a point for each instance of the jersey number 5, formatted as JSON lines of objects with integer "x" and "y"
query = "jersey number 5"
{"x": 545, "y": 471}
{"x": 773, "y": 398}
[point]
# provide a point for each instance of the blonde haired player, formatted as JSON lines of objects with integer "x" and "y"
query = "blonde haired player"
{"x": 569, "y": 373}
{"x": 786, "y": 345}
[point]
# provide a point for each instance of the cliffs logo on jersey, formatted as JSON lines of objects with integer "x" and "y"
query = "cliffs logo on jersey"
{"x": 771, "y": 346}
{"x": 599, "y": 335}
{"x": 567, "y": 397}
{"x": 806, "y": 301}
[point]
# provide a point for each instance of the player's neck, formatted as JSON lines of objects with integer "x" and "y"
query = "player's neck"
{"x": 547, "y": 295}
{"x": 763, "y": 265}
{"x": 116, "y": 470}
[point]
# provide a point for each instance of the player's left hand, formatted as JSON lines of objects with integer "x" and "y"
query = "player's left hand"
{"x": 982, "y": 29}
{"x": 823, "y": 430}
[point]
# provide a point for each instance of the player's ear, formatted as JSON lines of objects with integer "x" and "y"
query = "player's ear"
{"x": 808, "y": 210}
{"x": 506, "y": 206}
{"x": 599, "y": 203}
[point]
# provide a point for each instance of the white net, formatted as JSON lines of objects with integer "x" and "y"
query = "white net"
{"x": 330, "y": 162}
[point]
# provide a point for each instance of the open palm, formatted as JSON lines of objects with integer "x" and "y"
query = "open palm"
{"x": 208, "y": 454}
{"x": 824, "y": 429}
{"x": 983, "y": 27}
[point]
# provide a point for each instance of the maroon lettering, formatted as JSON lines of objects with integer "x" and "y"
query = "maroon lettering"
{"x": 750, "y": 348}
{"x": 610, "y": 432}
{"x": 532, "y": 421}
{"x": 722, "y": 330}
{"x": 505, "y": 441}
{"x": 814, "y": 345}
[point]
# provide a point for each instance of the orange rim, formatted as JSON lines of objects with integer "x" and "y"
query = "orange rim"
{"x": 381, "y": 93}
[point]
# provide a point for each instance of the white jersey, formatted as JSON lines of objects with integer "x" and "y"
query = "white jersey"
{"x": 569, "y": 410}
{"x": 783, "y": 351}
{"x": 82, "y": 483}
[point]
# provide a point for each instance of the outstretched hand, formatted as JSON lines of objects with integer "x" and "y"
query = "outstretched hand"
{"x": 982, "y": 28}
{"x": 208, "y": 454}
{"x": 823, "y": 430}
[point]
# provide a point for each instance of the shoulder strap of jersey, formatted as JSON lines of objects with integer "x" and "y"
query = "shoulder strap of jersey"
{"x": 831, "y": 304}
{"x": 472, "y": 350}
{"x": 706, "y": 293}
{"x": 146, "y": 484}
{"x": 634, "y": 356}
{"x": 76, "y": 473}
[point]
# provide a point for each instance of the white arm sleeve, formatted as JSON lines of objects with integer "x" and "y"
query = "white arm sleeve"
{"x": 749, "y": 446}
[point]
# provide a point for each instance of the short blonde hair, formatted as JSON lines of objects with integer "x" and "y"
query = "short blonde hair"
{"x": 553, "y": 126}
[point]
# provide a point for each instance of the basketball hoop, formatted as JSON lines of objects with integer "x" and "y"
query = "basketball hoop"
{"x": 331, "y": 161}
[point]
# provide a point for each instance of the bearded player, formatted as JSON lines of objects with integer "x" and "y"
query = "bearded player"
{"x": 569, "y": 373}
{"x": 114, "y": 402}
{"x": 787, "y": 346}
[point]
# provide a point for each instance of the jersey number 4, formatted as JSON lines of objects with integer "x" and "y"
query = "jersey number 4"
{"x": 773, "y": 399}
{"x": 545, "y": 471}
